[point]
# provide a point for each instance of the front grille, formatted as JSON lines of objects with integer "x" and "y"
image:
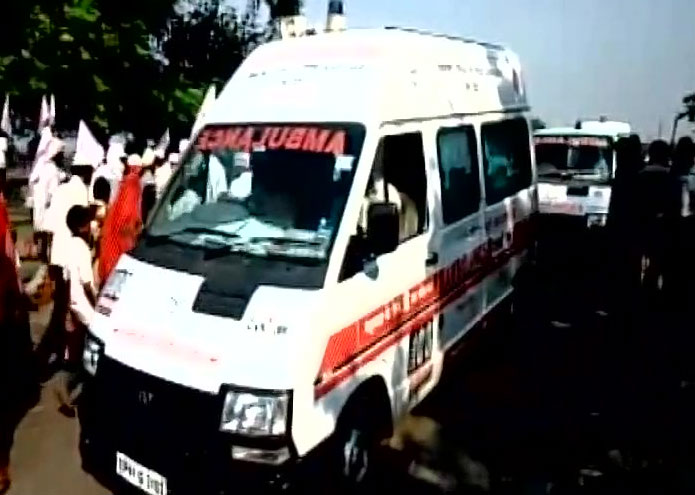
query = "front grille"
{"x": 578, "y": 191}
{"x": 166, "y": 427}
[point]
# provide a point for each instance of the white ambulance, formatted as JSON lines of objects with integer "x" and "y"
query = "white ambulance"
{"x": 575, "y": 170}
{"x": 355, "y": 204}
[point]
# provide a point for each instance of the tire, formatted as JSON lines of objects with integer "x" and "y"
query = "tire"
{"x": 364, "y": 424}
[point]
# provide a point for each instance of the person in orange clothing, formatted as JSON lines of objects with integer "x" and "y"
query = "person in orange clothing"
{"x": 15, "y": 346}
{"x": 123, "y": 221}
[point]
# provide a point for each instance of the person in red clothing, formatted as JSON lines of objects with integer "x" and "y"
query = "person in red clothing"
{"x": 123, "y": 221}
{"x": 15, "y": 346}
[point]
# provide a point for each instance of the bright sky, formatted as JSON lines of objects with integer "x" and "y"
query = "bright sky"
{"x": 630, "y": 60}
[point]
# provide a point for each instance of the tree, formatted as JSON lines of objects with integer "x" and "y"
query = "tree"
{"x": 137, "y": 65}
{"x": 203, "y": 43}
{"x": 94, "y": 55}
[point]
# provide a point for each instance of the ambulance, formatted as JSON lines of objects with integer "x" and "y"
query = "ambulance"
{"x": 356, "y": 203}
{"x": 575, "y": 170}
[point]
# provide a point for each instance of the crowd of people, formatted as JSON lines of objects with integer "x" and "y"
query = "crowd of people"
{"x": 651, "y": 217}
{"x": 84, "y": 217}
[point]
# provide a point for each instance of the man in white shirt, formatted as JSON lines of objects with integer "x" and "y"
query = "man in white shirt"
{"x": 150, "y": 161}
{"x": 217, "y": 179}
{"x": 81, "y": 304}
{"x": 43, "y": 183}
{"x": 69, "y": 194}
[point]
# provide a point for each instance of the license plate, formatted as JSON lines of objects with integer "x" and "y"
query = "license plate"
{"x": 562, "y": 208}
{"x": 139, "y": 476}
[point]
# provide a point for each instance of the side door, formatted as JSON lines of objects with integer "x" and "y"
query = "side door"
{"x": 380, "y": 301}
{"x": 459, "y": 237}
{"x": 509, "y": 194}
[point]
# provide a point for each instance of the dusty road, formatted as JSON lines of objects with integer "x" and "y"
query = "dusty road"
{"x": 45, "y": 460}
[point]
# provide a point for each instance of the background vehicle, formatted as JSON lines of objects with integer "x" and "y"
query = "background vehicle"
{"x": 575, "y": 169}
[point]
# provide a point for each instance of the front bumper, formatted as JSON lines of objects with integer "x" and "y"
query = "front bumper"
{"x": 168, "y": 428}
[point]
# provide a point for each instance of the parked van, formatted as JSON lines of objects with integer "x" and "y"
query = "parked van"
{"x": 575, "y": 170}
{"x": 356, "y": 203}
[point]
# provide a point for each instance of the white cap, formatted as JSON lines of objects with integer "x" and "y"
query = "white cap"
{"x": 134, "y": 160}
{"x": 173, "y": 158}
{"x": 148, "y": 157}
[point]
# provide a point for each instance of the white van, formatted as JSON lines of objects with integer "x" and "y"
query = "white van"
{"x": 575, "y": 169}
{"x": 282, "y": 300}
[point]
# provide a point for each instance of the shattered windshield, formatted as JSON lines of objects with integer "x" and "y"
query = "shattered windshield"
{"x": 262, "y": 189}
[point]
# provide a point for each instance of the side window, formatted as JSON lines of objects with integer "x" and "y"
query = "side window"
{"x": 458, "y": 170}
{"x": 398, "y": 176}
{"x": 507, "y": 158}
{"x": 400, "y": 164}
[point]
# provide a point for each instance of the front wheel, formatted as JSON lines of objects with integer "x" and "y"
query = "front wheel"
{"x": 357, "y": 450}
{"x": 358, "y": 439}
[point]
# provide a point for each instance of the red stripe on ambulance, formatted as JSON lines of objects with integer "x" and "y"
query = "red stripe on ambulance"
{"x": 364, "y": 340}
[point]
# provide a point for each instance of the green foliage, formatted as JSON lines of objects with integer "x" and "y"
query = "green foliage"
{"x": 140, "y": 65}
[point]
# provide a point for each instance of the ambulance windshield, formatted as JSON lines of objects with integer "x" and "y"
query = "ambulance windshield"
{"x": 261, "y": 189}
{"x": 574, "y": 155}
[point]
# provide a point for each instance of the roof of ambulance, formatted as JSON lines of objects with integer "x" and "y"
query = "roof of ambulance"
{"x": 571, "y": 131}
{"x": 368, "y": 75}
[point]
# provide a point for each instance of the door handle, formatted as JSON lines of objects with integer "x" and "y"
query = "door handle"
{"x": 432, "y": 259}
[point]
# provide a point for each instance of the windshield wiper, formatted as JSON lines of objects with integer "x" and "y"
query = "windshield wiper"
{"x": 560, "y": 174}
{"x": 286, "y": 240}
{"x": 198, "y": 230}
{"x": 213, "y": 253}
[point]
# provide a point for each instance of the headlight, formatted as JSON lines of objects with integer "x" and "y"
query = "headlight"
{"x": 93, "y": 348}
{"x": 598, "y": 220}
{"x": 114, "y": 284}
{"x": 111, "y": 291}
{"x": 255, "y": 415}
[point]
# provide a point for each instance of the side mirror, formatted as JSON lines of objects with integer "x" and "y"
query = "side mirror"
{"x": 383, "y": 228}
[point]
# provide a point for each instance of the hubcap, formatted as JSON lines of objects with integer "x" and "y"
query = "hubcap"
{"x": 356, "y": 458}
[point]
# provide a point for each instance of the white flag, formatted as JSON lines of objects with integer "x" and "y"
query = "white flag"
{"x": 46, "y": 138}
{"x": 88, "y": 150}
{"x": 209, "y": 100}
{"x": 52, "y": 111}
{"x": 5, "y": 123}
{"x": 44, "y": 116}
{"x": 163, "y": 142}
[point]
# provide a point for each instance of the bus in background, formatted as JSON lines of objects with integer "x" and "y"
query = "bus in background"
{"x": 575, "y": 170}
